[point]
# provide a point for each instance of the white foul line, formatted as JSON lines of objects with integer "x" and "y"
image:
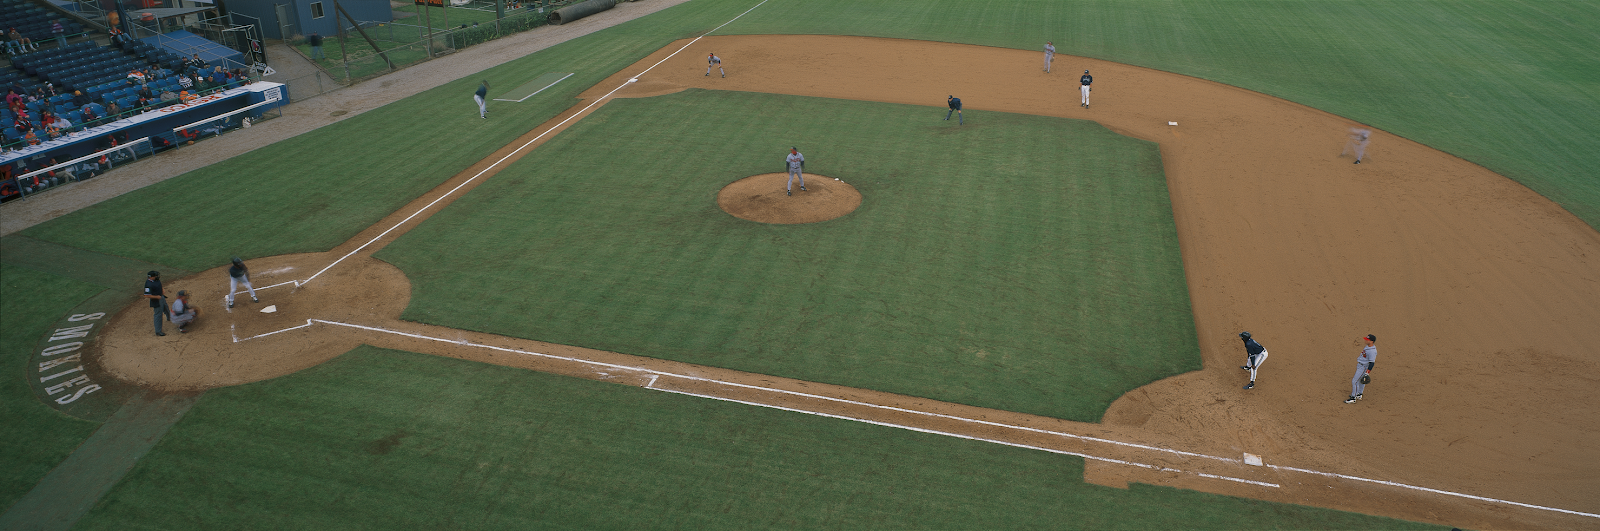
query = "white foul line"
{"x": 939, "y": 415}
{"x": 552, "y": 84}
{"x": 969, "y": 437}
{"x": 524, "y": 146}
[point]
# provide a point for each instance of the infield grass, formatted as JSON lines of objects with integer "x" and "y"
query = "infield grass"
{"x": 35, "y": 438}
{"x": 380, "y": 439}
{"x": 1038, "y": 274}
{"x": 316, "y": 190}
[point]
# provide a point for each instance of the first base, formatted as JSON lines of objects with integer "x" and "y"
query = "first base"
{"x": 1252, "y": 459}
{"x": 270, "y": 309}
{"x": 1172, "y": 123}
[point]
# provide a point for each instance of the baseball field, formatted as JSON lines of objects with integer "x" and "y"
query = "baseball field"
{"x": 549, "y": 318}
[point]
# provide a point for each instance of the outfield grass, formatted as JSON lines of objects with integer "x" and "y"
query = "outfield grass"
{"x": 383, "y": 439}
{"x": 36, "y": 437}
{"x": 1038, "y": 274}
{"x": 1513, "y": 86}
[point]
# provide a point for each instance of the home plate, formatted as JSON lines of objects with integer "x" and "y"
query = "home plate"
{"x": 270, "y": 309}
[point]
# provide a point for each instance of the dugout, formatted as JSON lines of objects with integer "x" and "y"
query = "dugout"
{"x": 207, "y": 116}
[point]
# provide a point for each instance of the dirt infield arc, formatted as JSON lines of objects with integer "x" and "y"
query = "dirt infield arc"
{"x": 1483, "y": 294}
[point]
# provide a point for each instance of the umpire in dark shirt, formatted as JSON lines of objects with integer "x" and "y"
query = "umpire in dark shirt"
{"x": 158, "y": 298}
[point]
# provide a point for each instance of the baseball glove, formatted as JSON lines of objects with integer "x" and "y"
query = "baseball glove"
{"x": 1366, "y": 379}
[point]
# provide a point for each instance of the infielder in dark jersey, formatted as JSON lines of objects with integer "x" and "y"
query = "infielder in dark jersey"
{"x": 1086, "y": 80}
{"x": 1254, "y": 355}
{"x": 955, "y": 108}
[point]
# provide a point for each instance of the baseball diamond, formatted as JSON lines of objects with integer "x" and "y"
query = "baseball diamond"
{"x": 1040, "y": 311}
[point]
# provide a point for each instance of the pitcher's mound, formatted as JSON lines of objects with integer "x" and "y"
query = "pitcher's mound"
{"x": 761, "y": 198}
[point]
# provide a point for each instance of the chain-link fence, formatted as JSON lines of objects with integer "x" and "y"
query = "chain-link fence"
{"x": 351, "y": 57}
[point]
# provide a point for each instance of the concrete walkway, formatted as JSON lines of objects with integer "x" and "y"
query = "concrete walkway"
{"x": 303, "y": 116}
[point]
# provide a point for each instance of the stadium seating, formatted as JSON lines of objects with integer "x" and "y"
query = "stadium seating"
{"x": 32, "y": 21}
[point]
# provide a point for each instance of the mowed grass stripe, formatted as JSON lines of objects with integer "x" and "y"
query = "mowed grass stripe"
{"x": 983, "y": 277}
{"x": 380, "y": 439}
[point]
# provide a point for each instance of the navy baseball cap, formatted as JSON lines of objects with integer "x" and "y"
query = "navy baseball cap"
{"x": 1371, "y": 337}
{"x": 154, "y": 273}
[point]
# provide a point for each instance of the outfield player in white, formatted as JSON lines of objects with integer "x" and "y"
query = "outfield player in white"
{"x": 797, "y": 163}
{"x": 1049, "y": 55}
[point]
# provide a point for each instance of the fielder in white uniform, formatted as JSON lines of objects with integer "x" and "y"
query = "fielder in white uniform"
{"x": 797, "y": 163}
{"x": 239, "y": 274}
{"x": 712, "y": 61}
{"x": 1364, "y": 365}
{"x": 1049, "y": 54}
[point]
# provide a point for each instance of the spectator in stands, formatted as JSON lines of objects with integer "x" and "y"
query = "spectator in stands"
{"x": 197, "y": 62}
{"x": 144, "y": 92}
{"x": 88, "y": 114}
{"x": 117, "y": 35}
{"x": 218, "y": 77}
{"x": 79, "y": 99}
{"x": 136, "y": 77}
{"x": 25, "y": 43}
{"x": 22, "y": 124}
{"x": 143, "y": 101}
{"x": 45, "y": 118}
{"x": 30, "y": 138}
{"x": 13, "y": 100}
{"x": 60, "y": 33}
{"x": 168, "y": 97}
{"x": 185, "y": 96}
{"x": 52, "y": 131}
{"x": 315, "y": 40}
{"x": 112, "y": 110}
{"x": 184, "y": 81}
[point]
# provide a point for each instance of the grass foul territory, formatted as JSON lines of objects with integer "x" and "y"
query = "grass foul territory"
{"x": 1039, "y": 275}
{"x": 35, "y": 438}
{"x": 381, "y": 439}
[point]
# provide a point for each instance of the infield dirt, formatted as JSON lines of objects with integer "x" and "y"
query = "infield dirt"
{"x": 1483, "y": 294}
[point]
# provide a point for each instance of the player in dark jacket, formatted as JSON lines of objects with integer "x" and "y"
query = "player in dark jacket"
{"x": 1255, "y": 355}
{"x": 955, "y": 108}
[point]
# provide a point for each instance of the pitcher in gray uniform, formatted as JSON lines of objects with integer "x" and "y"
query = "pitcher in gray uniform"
{"x": 797, "y": 163}
{"x": 1364, "y": 364}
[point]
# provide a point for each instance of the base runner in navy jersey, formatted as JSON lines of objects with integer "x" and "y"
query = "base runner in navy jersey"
{"x": 1255, "y": 355}
{"x": 1085, "y": 80}
{"x": 483, "y": 106}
